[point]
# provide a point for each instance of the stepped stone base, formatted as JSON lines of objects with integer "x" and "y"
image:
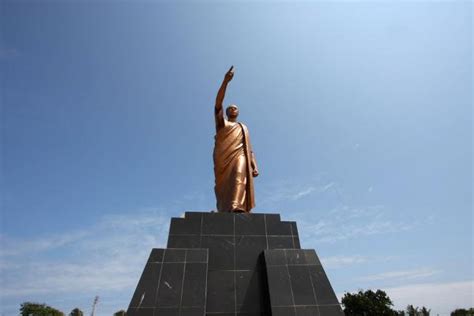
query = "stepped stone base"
{"x": 233, "y": 264}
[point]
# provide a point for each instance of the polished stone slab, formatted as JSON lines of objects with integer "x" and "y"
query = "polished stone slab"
{"x": 174, "y": 282}
{"x": 298, "y": 285}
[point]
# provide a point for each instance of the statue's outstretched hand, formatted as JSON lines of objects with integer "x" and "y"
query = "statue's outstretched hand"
{"x": 229, "y": 74}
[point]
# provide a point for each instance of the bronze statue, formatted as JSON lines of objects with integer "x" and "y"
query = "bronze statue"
{"x": 234, "y": 161}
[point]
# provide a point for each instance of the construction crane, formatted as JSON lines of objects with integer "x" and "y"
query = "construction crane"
{"x": 96, "y": 299}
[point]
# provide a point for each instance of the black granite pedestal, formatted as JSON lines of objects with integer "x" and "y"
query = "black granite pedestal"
{"x": 233, "y": 264}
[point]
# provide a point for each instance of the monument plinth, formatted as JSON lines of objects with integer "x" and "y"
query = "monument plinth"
{"x": 233, "y": 264}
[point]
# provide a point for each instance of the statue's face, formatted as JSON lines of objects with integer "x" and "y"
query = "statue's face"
{"x": 232, "y": 111}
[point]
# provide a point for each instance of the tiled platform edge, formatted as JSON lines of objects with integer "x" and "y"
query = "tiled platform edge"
{"x": 235, "y": 281}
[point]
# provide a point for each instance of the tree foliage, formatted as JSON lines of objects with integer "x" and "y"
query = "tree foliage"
{"x": 416, "y": 311}
{"x": 76, "y": 312}
{"x": 463, "y": 312}
{"x": 368, "y": 303}
{"x": 35, "y": 309}
{"x": 412, "y": 311}
{"x": 120, "y": 313}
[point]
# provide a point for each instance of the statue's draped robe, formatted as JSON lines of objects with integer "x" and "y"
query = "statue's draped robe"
{"x": 233, "y": 168}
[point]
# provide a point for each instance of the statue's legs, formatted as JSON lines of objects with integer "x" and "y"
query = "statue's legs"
{"x": 240, "y": 186}
{"x": 231, "y": 190}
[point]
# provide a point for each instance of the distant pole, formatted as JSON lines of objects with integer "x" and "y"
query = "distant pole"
{"x": 96, "y": 299}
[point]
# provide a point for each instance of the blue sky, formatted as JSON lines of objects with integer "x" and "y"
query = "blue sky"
{"x": 360, "y": 115}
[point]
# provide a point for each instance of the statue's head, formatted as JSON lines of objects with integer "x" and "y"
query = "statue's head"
{"x": 232, "y": 112}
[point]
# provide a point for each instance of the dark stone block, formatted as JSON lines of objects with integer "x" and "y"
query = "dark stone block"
{"x": 169, "y": 292}
{"x": 311, "y": 257}
{"x": 196, "y": 255}
{"x": 248, "y": 251}
{"x": 221, "y": 292}
{"x": 156, "y": 255}
{"x": 140, "y": 311}
{"x": 184, "y": 241}
{"x": 276, "y": 257}
{"x": 324, "y": 292}
{"x": 163, "y": 289}
{"x": 248, "y": 291}
{"x": 145, "y": 292}
{"x": 133, "y": 311}
{"x": 163, "y": 311}
{"x": 301, "y": 285}
{"x": 175, "y": 255}
{"x": 221, "y": 252}
{"x": 277, "y": 227}
{"x": 231, "y": 264}
{"x": 307, "y": 311}
{"x": 296, "y": 243}
{"x": 192, "y": 311}
{"x": 294, "y": 228}
{"x": 194, "y": 216}
{"x": 218, "y": 224}
{"x": 331, "y": 310}
{"x": 295, "y": 256}
{"x": 310, "y": 288}
{"x": 250, "y": 224}
{"x": 280, "y": 286}
{"x": 279, "y": 242}
{"x": 250, "y": 314}
{"x": 283, "y": 311}
{"x": 272, "y": 217}
{"x": 185, "y": 226}
{"x": 194, "y": 286}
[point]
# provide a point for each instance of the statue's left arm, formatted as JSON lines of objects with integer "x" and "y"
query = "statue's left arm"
{"x": 253, "y": 164}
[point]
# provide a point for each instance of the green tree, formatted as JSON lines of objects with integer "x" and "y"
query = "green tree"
{"x": 416, "y": 311}
{"x": 35, "y": 309}
{"x": 120, "y": 313}
{"x": 76, "y": 312}
{"x": 424, "y": 311}
{"x": 463, "y": 312}
{"x": 368, "y": 303}
{"x": 412, "y": 311}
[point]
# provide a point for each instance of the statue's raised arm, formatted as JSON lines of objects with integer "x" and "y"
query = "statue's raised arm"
{"x": 218, "y": 111}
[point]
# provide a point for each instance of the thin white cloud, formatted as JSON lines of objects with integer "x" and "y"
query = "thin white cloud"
{"x": 402, "y": 275}
{"x": 15, "y": 246}
{"x": 340, "y": 261}
{"x": 344, "y": 261}
{"x": 345, "y": 222}
{"x": 108, "y": 257}
{"x": 286, "y": 191}
{"x": 53, "y": 277}
{"x": 302, "y": 193}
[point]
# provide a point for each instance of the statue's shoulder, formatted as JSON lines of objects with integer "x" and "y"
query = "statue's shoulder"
{"x": 227, "y": 124}
{"x": 242, "y": 124}
{"x": 230, "y": 124}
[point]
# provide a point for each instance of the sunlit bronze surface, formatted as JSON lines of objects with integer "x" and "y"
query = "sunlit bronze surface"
{"x": 234, "y": 161}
